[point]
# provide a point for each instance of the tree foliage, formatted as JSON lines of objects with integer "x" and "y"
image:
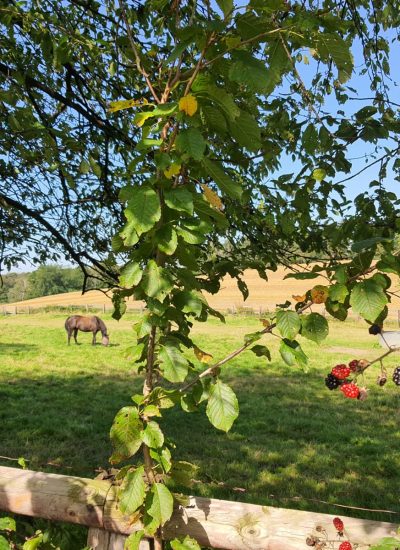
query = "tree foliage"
{"x": 197, "y": 139}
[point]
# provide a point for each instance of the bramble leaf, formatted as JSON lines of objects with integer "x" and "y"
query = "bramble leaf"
{"x": 132, "y": 491}
{"x": 222, "y": 406}
{"x": 288, "y": 323}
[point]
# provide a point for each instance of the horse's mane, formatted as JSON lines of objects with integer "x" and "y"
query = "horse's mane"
{"x": 102, "y": 326}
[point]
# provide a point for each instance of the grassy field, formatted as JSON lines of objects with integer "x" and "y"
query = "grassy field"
{"x": 294, "y": 445}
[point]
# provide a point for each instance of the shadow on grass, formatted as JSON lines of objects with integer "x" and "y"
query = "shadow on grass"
{"x": 293, "y": 444}
{"x": 10, "y": 349}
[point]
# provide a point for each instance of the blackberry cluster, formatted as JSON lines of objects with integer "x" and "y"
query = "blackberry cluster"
{"x": 331, "y": 382}
{"x": 396, "y": 376}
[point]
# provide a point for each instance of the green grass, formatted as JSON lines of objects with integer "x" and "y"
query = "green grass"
{"x": 294, "y": 444}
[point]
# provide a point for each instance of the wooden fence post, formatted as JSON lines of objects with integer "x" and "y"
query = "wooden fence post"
{"x": 104, "y": 308}
{"x": 98, "y": 539}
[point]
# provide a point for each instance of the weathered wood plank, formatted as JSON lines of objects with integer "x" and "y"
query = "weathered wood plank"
{"x": 52, "y": 496}
{"x": 216, "y": 523}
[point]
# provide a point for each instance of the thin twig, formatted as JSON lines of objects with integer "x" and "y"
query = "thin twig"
{"x": 136, "y": 53}
{"x": 210, "y": 370}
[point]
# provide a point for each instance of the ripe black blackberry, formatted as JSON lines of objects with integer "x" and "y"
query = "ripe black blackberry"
{"x": 396, "y": 376}
{"x": 331, "y": 382}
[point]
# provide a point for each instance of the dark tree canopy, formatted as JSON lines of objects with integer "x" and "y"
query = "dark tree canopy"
{"x": 266, "y": 78}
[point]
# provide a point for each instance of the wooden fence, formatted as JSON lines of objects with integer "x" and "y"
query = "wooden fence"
{"x": 214, "y": 523}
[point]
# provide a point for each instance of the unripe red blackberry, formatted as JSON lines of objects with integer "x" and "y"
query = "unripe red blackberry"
{"x": 350, "y": 390}
{"x": 341, "y": 371}
{"x": 338, "y": 523}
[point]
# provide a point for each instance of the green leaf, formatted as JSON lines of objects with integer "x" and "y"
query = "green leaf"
{"x": 165, "y": 399}
{"x": 33, "y": 543}
{"x": 191, "y": 142}
{"x": 333, "y": 46}
{"x": 189, "y": 301}
{"x": 186, "y": 544}
{"x": 387, "y": 543}
{"x": 156, "y": 281}
{"x": 302, "y": 276}
{"x": 183, "y": 472}
{"x": 310, "y": 139}
{"x": 174, "y": 364}
{"x": 96, "y": 168}
{"x": 338, "y": 292}
{"x": 245, "y": 130}
{"x": 222, "y": 406}
{"x": 151, "y": 410}
{"x": 222, "y": 179}
{"x": 203, "y": 86}
{"x": 140, "y": 118}
{"x": 226, "y": 6}
{"x": 179, "y": 199}
{"x": 84, "y": 167}
{"x": 163, "y": 458}
{"x": 314, "y": 327}
{"x": 133, "y": 541}
{"x": 7, "y": 524}
{"x": 288, "y": 323}
{"x": 292, "y": 353}
{"x": 119, "y": 305}
{"x": 143, "y": 209}
{"x": 261, "y": 351}
{"x": 167, "y": 239}
{"x": 368, "y": 243}
{"x": 214, "y": 118}
{"x": 4, "y": 545}
{"x": 132, "y": 491}
{"x": 129, "y": 235}
{"x": 131, "y": 275}
{"x": 368, "y": 299}
{"x": 152, "y": 435}
{"x": 249, "y": 25}
{"x": 337, "y": 310}
{"x": 278, "y": 64}
{"x": 252, "y": 337}
{"x": 249, "y": 70}
{"x": 162, "y": 503}
{"x": 189, "y": 235}
{"x": 125, "y": 434}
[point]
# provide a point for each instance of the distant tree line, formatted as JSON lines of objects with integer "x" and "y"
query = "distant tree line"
{"x": 44, "y": 281}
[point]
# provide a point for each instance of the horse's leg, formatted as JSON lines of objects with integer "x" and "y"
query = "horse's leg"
{"x": 75, "y": 335}
{"x": 94, "y": 338}
{"x": 69, "y": 335}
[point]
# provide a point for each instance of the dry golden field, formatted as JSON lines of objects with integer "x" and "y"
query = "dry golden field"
{"x": 263, "y": 295}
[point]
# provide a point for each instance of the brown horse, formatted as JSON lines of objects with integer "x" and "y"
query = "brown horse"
{"x": 86, "y": 324}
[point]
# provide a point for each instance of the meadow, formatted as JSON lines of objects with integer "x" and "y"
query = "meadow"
{"x": 295, "y": 443}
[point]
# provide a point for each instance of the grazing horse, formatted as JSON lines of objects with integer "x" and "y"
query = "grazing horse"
{"x": 86, "y": 324}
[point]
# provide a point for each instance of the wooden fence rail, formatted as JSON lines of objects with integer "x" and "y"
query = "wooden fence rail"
{"x": 215, "y": 523}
